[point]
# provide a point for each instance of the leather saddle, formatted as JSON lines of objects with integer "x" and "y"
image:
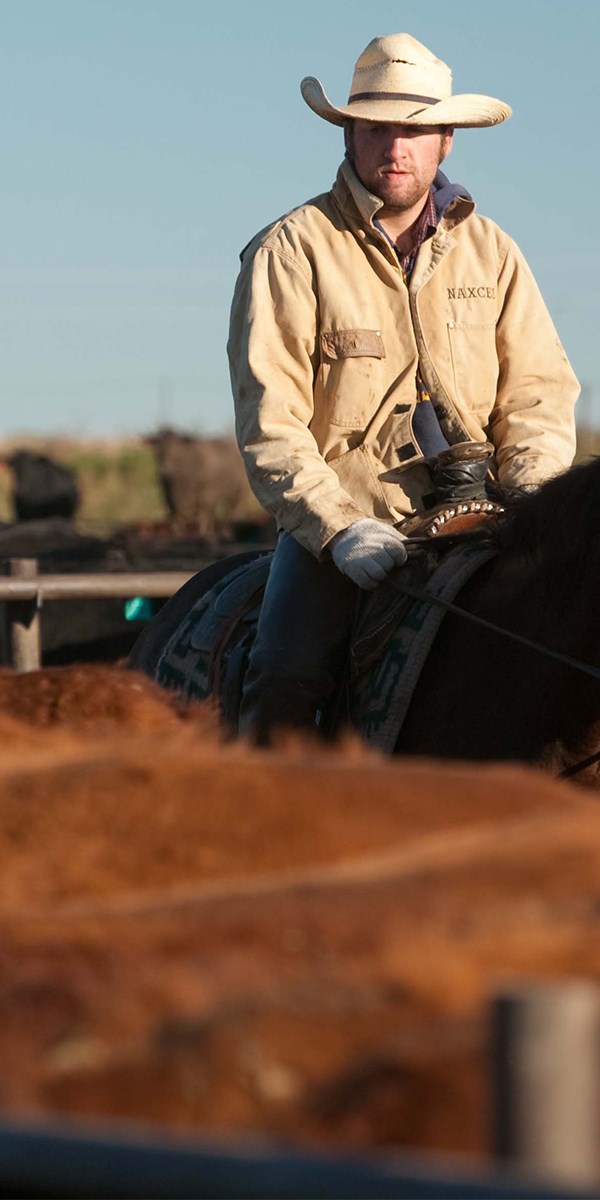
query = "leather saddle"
{"x": 460, "y": 503}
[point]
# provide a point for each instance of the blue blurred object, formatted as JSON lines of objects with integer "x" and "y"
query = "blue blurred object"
{"x": 139, "y": 608}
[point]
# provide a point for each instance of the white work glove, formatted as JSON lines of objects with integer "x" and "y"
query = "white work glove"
{"x": 367, "y": 551}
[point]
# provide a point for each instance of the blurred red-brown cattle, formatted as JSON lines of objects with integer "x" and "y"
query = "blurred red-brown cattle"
{"x": 297, "y": 943}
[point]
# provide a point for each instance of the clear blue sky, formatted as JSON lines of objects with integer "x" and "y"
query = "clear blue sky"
{"x": 145, "y": 141}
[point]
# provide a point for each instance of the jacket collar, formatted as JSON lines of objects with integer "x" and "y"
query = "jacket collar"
{"x": 452, "y": 201}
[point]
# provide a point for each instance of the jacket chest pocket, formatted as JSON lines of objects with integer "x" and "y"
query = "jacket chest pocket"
{"x": 352, "y": 374}
{"x": 474, "y": 361}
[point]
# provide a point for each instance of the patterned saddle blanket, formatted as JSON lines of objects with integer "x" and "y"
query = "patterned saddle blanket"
{"x": 208, "y": 653}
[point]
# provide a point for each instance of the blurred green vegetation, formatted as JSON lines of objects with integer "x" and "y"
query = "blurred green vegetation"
{"x": 119, "y": 488}
{"x": 118, "y": 480}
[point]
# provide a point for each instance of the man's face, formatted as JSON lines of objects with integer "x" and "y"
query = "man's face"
{"x": 397, "y": 163}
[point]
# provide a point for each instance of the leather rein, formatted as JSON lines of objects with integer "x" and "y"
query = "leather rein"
{"x": 576, "y": 664}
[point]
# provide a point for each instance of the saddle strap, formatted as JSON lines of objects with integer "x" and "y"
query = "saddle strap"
{"x": 389, "y": 687}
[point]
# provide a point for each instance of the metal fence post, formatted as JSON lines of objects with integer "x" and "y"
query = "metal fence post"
{"x": 546, "y": 1068}
{"x": 23, "y": 621}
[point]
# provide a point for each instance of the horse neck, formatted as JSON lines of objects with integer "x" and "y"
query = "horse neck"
{"x": 482, "y": 695}
{"x": 551, "y": 602}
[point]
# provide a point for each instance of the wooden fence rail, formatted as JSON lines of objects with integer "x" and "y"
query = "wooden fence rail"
{"x": 25, "y": 591}
{"x": 92, "y": 587}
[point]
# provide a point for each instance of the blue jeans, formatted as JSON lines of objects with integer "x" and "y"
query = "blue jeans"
{"x": 301, "y": 643}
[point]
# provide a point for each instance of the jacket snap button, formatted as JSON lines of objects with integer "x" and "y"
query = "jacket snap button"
{"x": 450, "y": 324}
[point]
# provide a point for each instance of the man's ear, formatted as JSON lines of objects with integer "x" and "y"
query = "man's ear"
{"x": 446, "y": 145}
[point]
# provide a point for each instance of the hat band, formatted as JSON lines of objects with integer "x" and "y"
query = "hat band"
{"x": 393, "y": 96}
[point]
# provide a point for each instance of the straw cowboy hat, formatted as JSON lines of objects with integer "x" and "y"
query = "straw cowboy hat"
{"x": 398, "y": 80}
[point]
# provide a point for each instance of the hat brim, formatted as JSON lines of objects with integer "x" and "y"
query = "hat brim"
{"x": 461, "y": 112}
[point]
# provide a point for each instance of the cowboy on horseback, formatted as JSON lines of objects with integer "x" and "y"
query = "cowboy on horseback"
{"x": 384, "y": 337}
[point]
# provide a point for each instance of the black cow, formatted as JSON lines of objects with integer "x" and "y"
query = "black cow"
{"x": 203, "y": 480}
{"x": 42, "y": 487}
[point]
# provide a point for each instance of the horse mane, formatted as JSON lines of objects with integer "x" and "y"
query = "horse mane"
{"x": 557, "y": 524}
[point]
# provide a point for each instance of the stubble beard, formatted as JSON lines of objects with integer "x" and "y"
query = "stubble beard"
{"x": 415, "y": 187}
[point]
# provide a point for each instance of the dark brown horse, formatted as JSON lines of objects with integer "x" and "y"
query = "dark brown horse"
{"x": 481, "y": 696}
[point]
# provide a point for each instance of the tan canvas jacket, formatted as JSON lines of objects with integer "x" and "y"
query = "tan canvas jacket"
{"x": 324, "y": 345}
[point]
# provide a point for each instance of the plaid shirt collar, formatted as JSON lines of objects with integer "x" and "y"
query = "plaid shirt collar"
{"x": 423, "y": 228}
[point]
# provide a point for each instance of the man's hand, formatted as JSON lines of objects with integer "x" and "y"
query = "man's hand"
{"x": 367, "y": 551}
